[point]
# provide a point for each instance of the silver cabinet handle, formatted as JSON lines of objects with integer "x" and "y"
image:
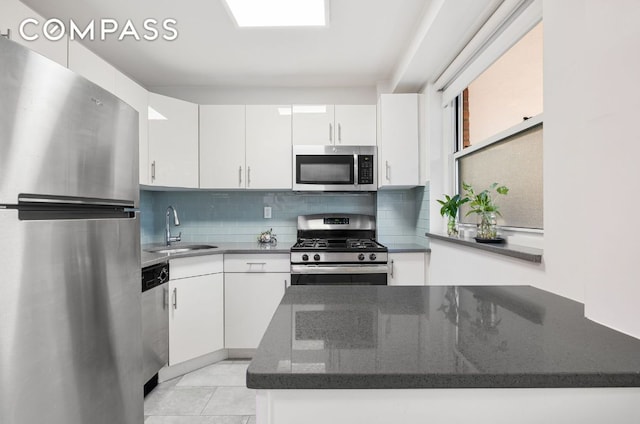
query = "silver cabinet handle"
{"x": 330, "y": 132}
{"x": 387, "y": 169}
{"x": 391, "y": 268}
{"x": 340, "y": 133}
{"x": 153, "y": 171}
{"x": 248, "y": 176}
{"x": 240, "y": 177}
{"x": 175, "y": 298}
{"x": 6, "y": 34}
{"x": 256, "y": 263}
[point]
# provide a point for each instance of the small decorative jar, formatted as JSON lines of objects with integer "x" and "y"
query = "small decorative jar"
{"x": 487, "y": 226}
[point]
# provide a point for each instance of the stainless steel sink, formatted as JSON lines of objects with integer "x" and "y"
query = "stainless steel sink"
{"x": 180, "y": 249}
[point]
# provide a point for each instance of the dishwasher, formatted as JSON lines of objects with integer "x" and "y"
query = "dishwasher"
{"x": 155, "y": 323}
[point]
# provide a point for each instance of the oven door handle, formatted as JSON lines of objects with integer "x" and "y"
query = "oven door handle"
{"x": 340, "y": 269}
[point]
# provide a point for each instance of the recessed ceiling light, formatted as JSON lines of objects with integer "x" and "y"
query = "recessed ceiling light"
{"x": 278, "y": 13}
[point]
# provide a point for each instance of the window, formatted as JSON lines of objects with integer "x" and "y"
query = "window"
{"x": 499, "y": 134}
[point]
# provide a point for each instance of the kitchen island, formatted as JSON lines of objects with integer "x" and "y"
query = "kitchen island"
{"x": 489, "y": 354}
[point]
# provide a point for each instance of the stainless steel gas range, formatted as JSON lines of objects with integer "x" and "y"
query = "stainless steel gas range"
{"x": 338, "y": 249}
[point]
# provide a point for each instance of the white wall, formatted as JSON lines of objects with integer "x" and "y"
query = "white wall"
{"x": 611, "y": 148}
{"x": 591, "y": 150}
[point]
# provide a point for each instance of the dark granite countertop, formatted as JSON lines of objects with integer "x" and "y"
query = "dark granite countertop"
{"x": 507, "y": 249}
{"x": 152, "y": 258}
{"x": 355, "y": 337}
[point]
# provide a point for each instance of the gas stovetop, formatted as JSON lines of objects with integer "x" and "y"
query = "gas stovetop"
{"x": 337, "y": 239}
{"x": 339, "y": 245}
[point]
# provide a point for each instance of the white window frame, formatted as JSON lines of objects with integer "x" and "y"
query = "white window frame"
{"x": 512, "y": 21}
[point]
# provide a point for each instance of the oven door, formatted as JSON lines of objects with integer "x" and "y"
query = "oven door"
{"x": 333, "y": 274}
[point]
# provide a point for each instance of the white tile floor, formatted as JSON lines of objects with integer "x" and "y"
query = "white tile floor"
{"x": 216, "y": 394}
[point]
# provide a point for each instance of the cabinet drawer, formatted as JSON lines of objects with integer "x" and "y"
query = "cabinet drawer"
{"x": 197, "y": 265}
{"x": 257, "y": 263}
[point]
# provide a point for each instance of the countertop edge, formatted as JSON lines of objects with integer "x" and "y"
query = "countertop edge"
{"x": 157, "y": 258}
{"x": 407, "y": 248}
{"x": 439, "y": 381}
{"x": 529, "y": 254}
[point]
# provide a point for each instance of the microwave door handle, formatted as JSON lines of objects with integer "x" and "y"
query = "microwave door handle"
{"x": 355, "y": 169}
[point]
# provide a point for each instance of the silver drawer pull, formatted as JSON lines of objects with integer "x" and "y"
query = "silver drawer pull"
{"x": 175, "y": 298}
{"x": 256, "y": 263}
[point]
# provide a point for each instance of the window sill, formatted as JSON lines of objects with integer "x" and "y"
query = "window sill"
{"x": 529, "y": 254}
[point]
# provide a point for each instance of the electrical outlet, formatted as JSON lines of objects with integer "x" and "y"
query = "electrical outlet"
{"x": 267, "y": 212}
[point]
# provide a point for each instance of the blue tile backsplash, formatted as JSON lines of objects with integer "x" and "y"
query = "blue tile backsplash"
{"x": 224, "y": 216}
{"x": 403, "y": 215}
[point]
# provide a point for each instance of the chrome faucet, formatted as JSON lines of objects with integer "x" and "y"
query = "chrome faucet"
{"x": 168, "y": 238}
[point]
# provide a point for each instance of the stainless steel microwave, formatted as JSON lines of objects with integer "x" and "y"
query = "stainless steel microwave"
{"x": 335, "y": 168}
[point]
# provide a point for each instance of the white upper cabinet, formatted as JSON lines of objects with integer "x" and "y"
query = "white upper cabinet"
{"x": 173, "y": 142}
{"x": 13, "y": 14}
{"x": 268, "y": 143}
{"x": 222, "y": 147}
{"x": 398, "y": 144}
{"x": 245, "y": 147}
{"x": 313, "y": 124}
{"x": 355, "y": 125}
{"x": 138, "y": 98}
{"x": 334, "y": 125}
{"x": 84, "y": 62}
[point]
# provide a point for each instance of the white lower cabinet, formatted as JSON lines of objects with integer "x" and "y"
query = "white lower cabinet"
{"x": 407, "y": 269}
{"x": 196, "y": 311}
{"x": 253, "y": 288}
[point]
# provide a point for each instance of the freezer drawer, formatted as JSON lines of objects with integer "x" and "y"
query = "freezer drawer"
{"x": 61, "y": 134}
{"x": 70, "y": 331}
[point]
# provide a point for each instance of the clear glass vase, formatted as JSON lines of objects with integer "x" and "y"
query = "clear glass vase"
{"x": 452, "y": 229}
{"x": 487, "y": 226}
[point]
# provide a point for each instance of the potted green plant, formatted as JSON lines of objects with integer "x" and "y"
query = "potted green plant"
{"x": 484, "y": 205}
{"x": 450, "y": 207}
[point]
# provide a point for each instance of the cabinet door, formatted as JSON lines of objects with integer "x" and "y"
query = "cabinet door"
{"x": 313, "y": 124}
{"x": 91, "y": 66}
{"x": 407, "y": 269}
{"x": 268, "y": 147}
{"x": 138, "y": 98}
{"x": 222, "y": 147}
{"x": 196, "y": 317}
{"x": 13, "y": 14}
{"x": 173, "y": 142}
{"x": 398, "y": 141}
{"x": 355, "y": 125}
{"x": 250, "y": 301}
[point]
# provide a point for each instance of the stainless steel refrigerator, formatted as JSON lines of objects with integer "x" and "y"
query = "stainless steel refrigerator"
{"x": 70, "y": 332}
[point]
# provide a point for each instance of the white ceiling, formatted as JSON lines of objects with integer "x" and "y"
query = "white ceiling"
{"x": 362, "y": 46}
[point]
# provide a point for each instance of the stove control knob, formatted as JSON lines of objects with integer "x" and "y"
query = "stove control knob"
{"x": 316, "y": 257}
{"x": 305, "y": 257}
{"x": 372, "y": 256}
{"x": 361, "y": 257}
